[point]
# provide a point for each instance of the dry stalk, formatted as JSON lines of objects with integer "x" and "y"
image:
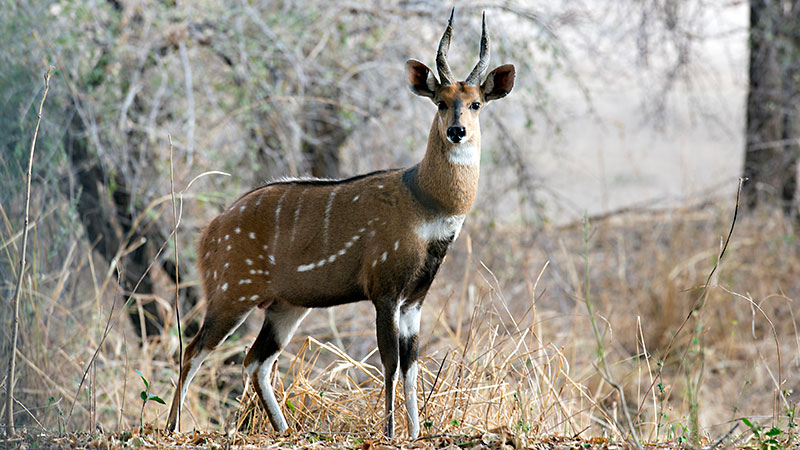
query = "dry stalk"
{"x": 12, "y": 357}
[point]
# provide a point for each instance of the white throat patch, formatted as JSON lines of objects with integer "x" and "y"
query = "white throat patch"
{"x": 441, "y": 228}
{"x": 465, "y": 154}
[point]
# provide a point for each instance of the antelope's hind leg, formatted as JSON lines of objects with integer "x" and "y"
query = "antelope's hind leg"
{"x": 218, "y": 325}
{"x": 280, "y": 323}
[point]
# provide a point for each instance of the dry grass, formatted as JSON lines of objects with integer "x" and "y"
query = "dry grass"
{"x": 510, "y": 357}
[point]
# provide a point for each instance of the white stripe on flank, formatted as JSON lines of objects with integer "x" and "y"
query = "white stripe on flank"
{"x": 278, "y": 221}
{"x": 326, "y": 222}
{"x": 297, "y": 213}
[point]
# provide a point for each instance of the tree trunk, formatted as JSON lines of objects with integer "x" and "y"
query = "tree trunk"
{"x": 771, "y": 150}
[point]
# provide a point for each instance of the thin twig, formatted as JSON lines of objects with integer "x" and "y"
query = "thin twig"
{"x": 177, "y": 266}
{"x": 698, "y": 303}
{"x": 12, "y": 358}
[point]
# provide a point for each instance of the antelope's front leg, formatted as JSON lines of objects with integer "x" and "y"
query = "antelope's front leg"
{"x": 408, "y": 326}
{"x": 388, "y": 340}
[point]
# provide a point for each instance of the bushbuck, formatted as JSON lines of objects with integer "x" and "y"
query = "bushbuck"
{"x": 297, "y": 244}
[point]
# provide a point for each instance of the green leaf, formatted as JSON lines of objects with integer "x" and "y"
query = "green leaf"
{"x": 747, "y": 422}
{"x": 290, "y": 405}
{"x": 427, "y": 423}
{"x": 143, "y": 395}
{"x": 146, "y": 384}
{"x": 774, "y": 431}
{"x": 156, "y": 398}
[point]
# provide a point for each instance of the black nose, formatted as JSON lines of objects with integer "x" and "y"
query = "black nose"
{"x": 455, "y": 134}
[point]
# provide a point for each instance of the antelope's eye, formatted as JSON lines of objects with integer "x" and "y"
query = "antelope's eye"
{"x": 475, "y": 106}
{"x": 442, "y": 105}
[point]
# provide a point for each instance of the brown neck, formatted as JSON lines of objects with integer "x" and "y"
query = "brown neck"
{"x": 451, "y": 186}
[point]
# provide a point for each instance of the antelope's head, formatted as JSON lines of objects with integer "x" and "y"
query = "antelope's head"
{"x": 459, "y": 102}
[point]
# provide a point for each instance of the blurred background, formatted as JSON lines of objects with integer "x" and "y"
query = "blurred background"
{"x": 608, "y": 185}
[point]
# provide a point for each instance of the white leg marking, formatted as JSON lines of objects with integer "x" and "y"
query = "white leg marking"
{"x": 410, "y": 391}
{"x": 408, "y": 322}
{"x": 268, "y": 394}
{"x": 194, "y": 366}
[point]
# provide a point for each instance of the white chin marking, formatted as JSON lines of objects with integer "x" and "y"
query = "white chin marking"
{"x": 464, "y": 154}
{"x": 441, "y": 228}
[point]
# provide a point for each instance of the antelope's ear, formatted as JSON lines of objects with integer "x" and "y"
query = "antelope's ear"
{"x": 420, "y": 79}
{"x": 499, "y": 82}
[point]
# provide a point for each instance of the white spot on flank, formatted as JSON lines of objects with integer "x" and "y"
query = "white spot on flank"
{"x": 245, "y": 281}
{"x": 228, "y": 247}
{"x": 237, "y": 230}
{"x": 241, "y": 299}
{"x": 380, "y": 186}
{"x": 260, "y": 256}
{"x": 374, "y": 263}
{"x": 355, "y": 238}
{"x": 265, "y": 246}
{"x": 219, "y": 240}
{"x": 272, "y": 259}
{"x": 227, "y": 236}
{"x": 241, "y": 208}
{"x": 361, "y": 230}
{"x": 320, "y": 263}
{"x": 254, "y": 297}
{"x": 441, "y": 228}
{"x": 332, "y": 258}
{"x": 355, "y": 199}
{"x": 252, "y": 271}
{"x": 248, "y": 261}
{"x": 383, "y": 257}
{"x": 251, "y": 235}
{"x": 465, "y": 155}
{"x": 225, "y": 287}
{"x": 348, "y": 244}
{"x": 226, "y": 265}
{"x": 396, "y": 245}
{"x": 207, "y": 254}
{"x": 215, "y": 274}
{"x": 305, "y": 267}
{"x": 341, "y": 252}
